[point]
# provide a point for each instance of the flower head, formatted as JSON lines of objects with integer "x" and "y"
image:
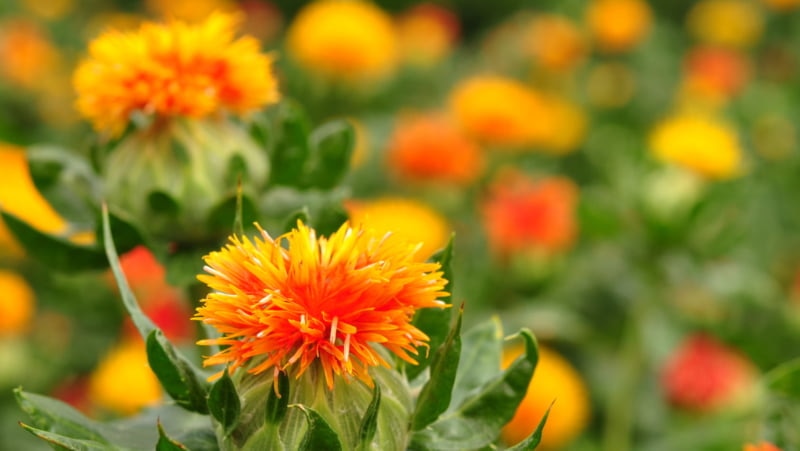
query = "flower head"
{"x": 701, "y": 144}
{"x": 343, "y": 39}
{"x": 729, "y": 23}
{"x": 556, "y": 42}
{"x": 618, "y": 25}
{"x": 431, "y": 148}
{"x": 554, "y": 379}
{"x": 286, "y": 303}
{"x": 17, "y": 304}
{"x": 763, "y": 446}
{"x": 704, "y": 374}
{"x": 715, "y": 73}
{"x": 426, "y": 34}
{"x": 173, "y": 70}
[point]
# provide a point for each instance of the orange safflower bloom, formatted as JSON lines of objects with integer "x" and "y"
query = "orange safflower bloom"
{"x": 173, "y": 70}
{"x": 431, "y": 148}
{"x": 522, "y": 213}
{"x": 288, "y": 303}
{"x": 556, "y": 42}
{"x": 716, "y": 72}
{"x": 500, "y": 111}
{"x": 763, "y": 446}
{"x": 28, "y": 55}
{"x": 17, "y": 304}
{"x": 427, "y": 33}
{"x": 618, "y": 25}
{"x": 782, "y": 5}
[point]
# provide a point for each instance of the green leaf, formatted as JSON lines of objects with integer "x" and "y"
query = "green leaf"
{"x": 434, "y": 399}
{"x": 59, "y": 441}
{"x": 126, "y": 234}
{"x": 56, "y": 417}
{"x": 369, "y": 423}
{"x": 167, "y": 444}
{"x": 224, "y": 403}
{"x": 179, "y": 378}
{"x": 332, "y": 147}
{"x": 320, "y": 435}
{"x": 277, "y": 403}
{"x": 298, "y": 215}
{"x": 481, "y": 349}
{"x": 291, "y": 150}
{"x": 785, "y": 379}
{"x": 237, "y": 211}
{"x": 434, "y": 322}
{"x": 532, "y": 441}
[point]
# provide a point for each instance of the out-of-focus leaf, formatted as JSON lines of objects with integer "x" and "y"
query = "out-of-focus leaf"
{"x": 277, "y": 403}
{"x": 180, "y": 379}
{"x": 435, "y": 396}
{"x": 291, "y": 150}
{"x": 231, "y": 211}
{"x": 434, "y": 322}
{"x": 532, "y": 441}
{"x": 299, "y": 215}
{"x": 332, "y": 147}
{"x": 167, "y": 444}
{"x": 785, "y": 379}
{"x": 224, "y": 403}
{"x": 320, "y": 435}
{"x": 59, "y": 441}
{"x": 369, "y": 423}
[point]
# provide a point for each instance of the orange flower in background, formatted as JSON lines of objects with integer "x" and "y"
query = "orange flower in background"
{"x": 500, "y": 111}
{"x": 409, "y": 219}
{"x": 299, "y": 300}
{"x": 618, "y": 25}
{"x": 727, "y": 23}
{"x": 763, "y": 446}
{"x": 426, "y": 33}
{"x": 17, "y": 304}
{"x": 431, "y": 148}
{"x": 554, "y": 379}
{"x": 28, "y": 55}
{"x": 555, "y": 42}
{"x": 715, "y": 73}
{"x": 782, "y": 5}
{"x": 123, "y": 383}
{"x": 173, "y": 70}
{"x": 705, "y": 375}
{"x": 188, "y": 10}
{"x": 699, "y": 143}
{"x": 521, "y": 213}
{"x": 343, "y": 39}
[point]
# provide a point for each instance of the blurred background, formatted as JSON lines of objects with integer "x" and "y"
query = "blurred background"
{"x": 620, "y": 175}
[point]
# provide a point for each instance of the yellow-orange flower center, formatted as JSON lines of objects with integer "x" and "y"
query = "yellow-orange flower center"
{"x": 286, "y": 303}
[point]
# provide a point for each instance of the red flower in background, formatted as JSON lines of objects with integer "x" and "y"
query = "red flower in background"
{"x": 704, "y": 375}
{"x": 716, "y": 71}
{"x": 522, "y": 213}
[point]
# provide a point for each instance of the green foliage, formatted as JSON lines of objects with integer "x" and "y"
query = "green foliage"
{"x": 319, "y": 434}
{"x": 369, "y": 423}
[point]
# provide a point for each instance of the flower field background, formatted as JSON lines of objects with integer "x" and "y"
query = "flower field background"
{"x": 618, "y": 176}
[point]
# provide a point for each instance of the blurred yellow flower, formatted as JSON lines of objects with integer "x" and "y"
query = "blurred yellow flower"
{"x": 17, "y": 304}
{"x": 699, "y": 143}
{"x": 555, "y": 42}
{"x": 123, "y": 383}
{"x": 409, "y": 219}
{"x": 29, "y": 57}
{"x": 554, "y": 379}
{"x": 173, "y": 70}
{"x": 188, "y": 10}
{"x": 731, "y": 23}
{"x": 343, "y": 39}
{"x": 618, "y": 25}
{"x": 426, "y": 34}
{"x": 568, "y": 128}
{"x": 500, "y": 111}
{"x": 19, "y": 196}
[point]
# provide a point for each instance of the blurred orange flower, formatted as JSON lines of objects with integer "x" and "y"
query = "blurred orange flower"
{"x": 618, "y": 25}
{"x": 554, "y": 379}
{"x": 699, "y": 143}
{"x": 521, "y": 213}
{"x": 17, "y": 304}
{"x": 728, "y": 23}
{"x": 715, "y": 73}
{"x": 321, "y": 301}
{"x": 782, "y": 5}
{"x": 409, "y": 219}
{"x": 426, "y": 33}
{"x": 188, "y": 10}
{"x": 763, "y": 446}
{"x": 28, "y": 55}
{"x": 173, "y": 70}
{"x": 500, "y": 111}
{"x": 343, "y": 39}
{"x": 705, "y": 375}
{"x": 555, "y": 42}
{"x": 431, "y": 148}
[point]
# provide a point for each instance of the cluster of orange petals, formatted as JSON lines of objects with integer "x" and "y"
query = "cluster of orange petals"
{"x": 716, "y": 71}
{"x": 432, "y": 148}
{"x": 175, "y": 69}
{"x": 522, "y": 213}
{"x": 284, "y": 304}
{"x": 763, "y": 446}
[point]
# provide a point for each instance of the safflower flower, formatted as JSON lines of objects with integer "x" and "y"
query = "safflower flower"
{"x": 430, "y": 147}
{"x": 29, "y": 57}
{"x": 556, "y": 42}
{"x": 343, "y": 40}
{"x": 302, "y": 301}
{"x": 782, "y": 5}
{"x": 618, "y": 25}
{"x": 699, "y": 143}
{"x": 173, "y": 70}
{"x": 407, "y": 218}
{"x": 555, "y": 381}
{"x": 762, "y": 446}
{"x": 736, "y": 24}
{"x": 715, "y": 73}
{"x": 17, "y": 304}
{"x": 426, "y": 34}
